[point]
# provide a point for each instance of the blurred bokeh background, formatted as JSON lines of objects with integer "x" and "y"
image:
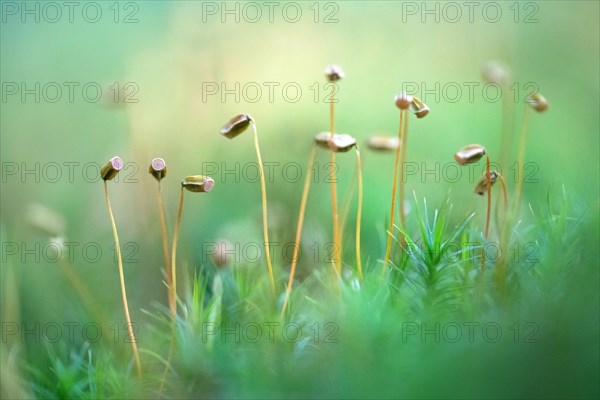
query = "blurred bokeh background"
{"x": 166, "y": 56}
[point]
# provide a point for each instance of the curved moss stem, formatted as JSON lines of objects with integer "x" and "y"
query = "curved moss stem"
{"x": 401, "y": 209}
{"x": 388, "y": 249}
{"x": 521, "y": 160}
{"x": 173, "y": 287}
{"x": 359, "y": 214}
{"x": 173, "y": 303}
{"x": 263, "y": 188}
{"x": 504, "y": 193}
{"x": 513, "y": 212}
{"x": 138, "y": 365}
{"x": 337, "y": 250}
{"x": 299, "y": 226}
{"x": 506, "y": 138}
{"x": 165, "y": 242}
{"x": 488, "y": 178}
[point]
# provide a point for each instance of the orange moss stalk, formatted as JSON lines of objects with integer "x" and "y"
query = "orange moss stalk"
{"x": 230, "y": 130}
{"x": 401, "y": 209}
{"x": 388, "y": 249}
{"x": 333, "y": 74}
{"x": 299, "y": 225}
{"x": 359, "y": 214}
{"x": 108, "y": 172}
{"x": 158, "y": 169}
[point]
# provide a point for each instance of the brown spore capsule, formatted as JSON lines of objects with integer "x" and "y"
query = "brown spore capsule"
{"x": 469, "y": 154}
{"x": 403, "y": 100}
{"x": 482, "y": 185}
{"x": 334, "y": 73}
{"x": 236, "y": 126}
{"x": 418, "y": 108}
{"x": 341, "y": 143}
{"x": 538, "y": 102}
{"x": 383, "y": 143}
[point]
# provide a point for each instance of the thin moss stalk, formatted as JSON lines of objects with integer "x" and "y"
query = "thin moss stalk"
{"x": 388, "y": 249}
{"x": 405, "y": 103}
{"x": 234, "y": 127}
{"x": 401, "y": 208}
{"x": 488, "y": 178}
{"x": 539, "y": 104}
{"x": 299, "y": 225}
{"x": 158, "y": 169}
{"x": 263, "y": 187}
{"x": 356, "y": 181}
{"x": 165, "y": 241}
{"x": 334, "y": 209}
{"x": 333, "y": 74}
{"x": 173, "y": 302}
{"x": 471, "y": 154}
{"x": 504, "y": 193}
{"x": 521, "y": 160}
{"x": 138, "y": 364}
{"x": 195, "y": 184}
{"x": 359, "y": 269}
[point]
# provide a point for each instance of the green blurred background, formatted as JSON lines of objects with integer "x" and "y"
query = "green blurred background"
{"x": 172, "y": 52}
{"x": 176, "y": 48}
